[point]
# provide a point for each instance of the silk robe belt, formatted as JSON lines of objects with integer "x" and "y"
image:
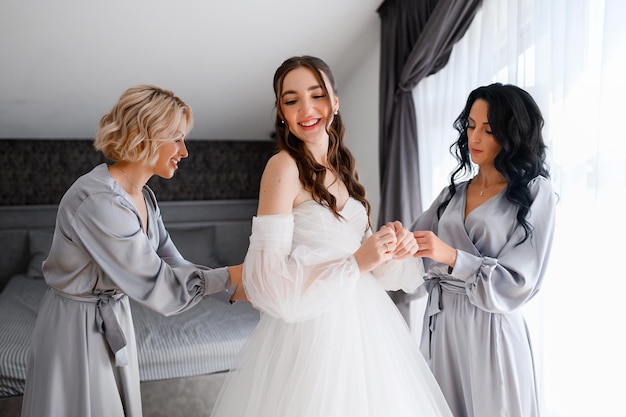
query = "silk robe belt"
{"x": 106, "y": 320}
{"x": 434, "y": 306}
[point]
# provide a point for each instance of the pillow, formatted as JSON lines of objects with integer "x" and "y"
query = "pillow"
{"x": 39, "y": 243}
{"x": 197, "y": 245}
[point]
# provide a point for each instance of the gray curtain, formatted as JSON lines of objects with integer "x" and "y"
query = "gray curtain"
{"x": 417, "y": 37}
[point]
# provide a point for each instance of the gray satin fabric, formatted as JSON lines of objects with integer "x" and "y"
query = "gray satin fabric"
{"x": 474, "y": 335}
{"x": 83, "y": 359}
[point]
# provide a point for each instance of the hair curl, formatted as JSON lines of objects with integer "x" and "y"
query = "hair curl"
{"x": 340, "y": 159}
{"x": 516, "y": 122}
{"x": 142, "y": 120}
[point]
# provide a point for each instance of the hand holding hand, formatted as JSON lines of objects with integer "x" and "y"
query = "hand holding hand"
{"x": 378, "y": 248}
{"x": 406, "y": 245}
{"x": 431, "y": 246}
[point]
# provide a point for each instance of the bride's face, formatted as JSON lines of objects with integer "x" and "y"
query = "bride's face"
{"x": 306, "y": 107}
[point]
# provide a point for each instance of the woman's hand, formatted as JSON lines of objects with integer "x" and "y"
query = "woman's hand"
{"x": 430, "y": 246}
{"x": 236, "y": 275}
{"x": 378, "y": 248}
{"x": 406, "y": 245}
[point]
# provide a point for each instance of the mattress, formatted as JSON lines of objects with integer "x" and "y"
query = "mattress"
{"x": 203, "y": 340}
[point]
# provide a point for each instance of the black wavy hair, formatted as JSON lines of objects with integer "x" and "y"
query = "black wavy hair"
{"x": 516, "y": 122}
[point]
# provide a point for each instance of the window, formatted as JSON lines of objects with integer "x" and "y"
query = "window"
{"x": 570, "y": 56}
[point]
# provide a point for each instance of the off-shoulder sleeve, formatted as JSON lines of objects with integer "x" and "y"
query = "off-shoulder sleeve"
{"x": 109, "y": 231}
{"x": 507, "y": 282}
{"x": 293, "y": 284}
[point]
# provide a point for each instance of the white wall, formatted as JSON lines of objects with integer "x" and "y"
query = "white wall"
{"x": 64, "y": 63}
{"x": 359, "y": 106}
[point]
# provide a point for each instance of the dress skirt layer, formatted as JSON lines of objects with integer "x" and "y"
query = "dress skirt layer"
{"x": 358, "y": 359}
{"x": 330, "y": 341}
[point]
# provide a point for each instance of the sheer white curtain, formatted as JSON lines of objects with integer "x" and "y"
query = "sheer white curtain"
{"x": 571, "y": 56}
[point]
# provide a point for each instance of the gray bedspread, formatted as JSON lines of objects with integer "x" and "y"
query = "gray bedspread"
{"x": 203, "y": 340}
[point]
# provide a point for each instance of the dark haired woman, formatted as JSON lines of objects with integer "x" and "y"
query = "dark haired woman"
{"x": 330, "y": 341}
{"x": 485, "y": 243}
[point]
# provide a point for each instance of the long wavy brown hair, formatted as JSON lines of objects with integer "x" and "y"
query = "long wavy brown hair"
{"x": 339, "y": 158}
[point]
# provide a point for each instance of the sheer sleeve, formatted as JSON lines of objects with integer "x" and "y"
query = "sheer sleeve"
{"x": 298, "y": 283}
{"x": 406, "y": 275}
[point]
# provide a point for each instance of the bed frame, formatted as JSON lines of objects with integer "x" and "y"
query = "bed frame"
{"x": 230, "y": 222}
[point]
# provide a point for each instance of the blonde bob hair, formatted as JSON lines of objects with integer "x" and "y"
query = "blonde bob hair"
{"x": 142, "y": 120}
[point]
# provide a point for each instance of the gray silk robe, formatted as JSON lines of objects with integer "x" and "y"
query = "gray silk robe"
{"x": 474, "y": 335}
{"x": 83, "y": 359}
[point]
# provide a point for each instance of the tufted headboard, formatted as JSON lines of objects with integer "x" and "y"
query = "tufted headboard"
{"x": 39, "y": 171}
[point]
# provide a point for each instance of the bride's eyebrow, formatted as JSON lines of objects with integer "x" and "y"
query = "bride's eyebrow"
{"x": 313, "y": 87}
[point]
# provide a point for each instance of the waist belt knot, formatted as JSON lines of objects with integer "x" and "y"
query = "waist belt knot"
{"x": 108, "y": 324}
{"x": 106, "y": 320}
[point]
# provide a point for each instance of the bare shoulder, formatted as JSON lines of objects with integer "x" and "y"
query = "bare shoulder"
{"x": 280, "y": 184}
{"x": 281, "y": 164}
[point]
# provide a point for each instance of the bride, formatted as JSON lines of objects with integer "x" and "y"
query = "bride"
{"x": 330, "y": 341}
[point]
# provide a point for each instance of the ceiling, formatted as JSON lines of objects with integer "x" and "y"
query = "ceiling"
{"x": 64, "y": 63}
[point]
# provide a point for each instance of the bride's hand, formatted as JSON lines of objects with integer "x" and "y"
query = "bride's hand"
{"x": 406, "y": 245}
{"x": 378, "y": 248}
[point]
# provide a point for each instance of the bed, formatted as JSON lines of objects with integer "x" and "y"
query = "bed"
{"x": 183, "y": 358}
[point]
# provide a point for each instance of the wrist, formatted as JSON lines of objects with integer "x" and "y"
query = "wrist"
{"x": 362, "y": 265}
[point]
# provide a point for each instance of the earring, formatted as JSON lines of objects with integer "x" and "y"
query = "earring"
{"x": 282, "y": 121}
{"x": 336, "y": 112}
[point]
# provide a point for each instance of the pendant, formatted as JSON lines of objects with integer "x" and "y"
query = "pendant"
{"x": 482, "y": 192}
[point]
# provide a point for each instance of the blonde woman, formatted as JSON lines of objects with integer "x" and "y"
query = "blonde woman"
{"x": 110, "y": 245}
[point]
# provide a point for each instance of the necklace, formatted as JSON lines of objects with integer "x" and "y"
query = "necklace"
{"x": 482, "y": 191}
{"x": 129, "y": 181}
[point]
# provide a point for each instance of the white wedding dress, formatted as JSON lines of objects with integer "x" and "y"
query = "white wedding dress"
{"x": 330, "y": 342}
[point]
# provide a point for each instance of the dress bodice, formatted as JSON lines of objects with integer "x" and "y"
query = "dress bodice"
{"x": 315, "y": 226}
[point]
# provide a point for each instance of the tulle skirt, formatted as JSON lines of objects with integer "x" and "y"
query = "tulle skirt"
{"x": 357, "y": 359}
